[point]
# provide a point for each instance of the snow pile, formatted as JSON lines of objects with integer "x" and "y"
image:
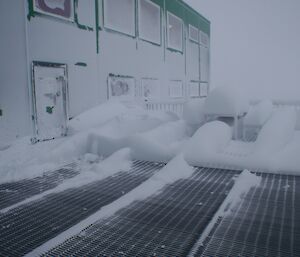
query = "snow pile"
{"x": 193, "y": 111}
{"x": 160, "y": 144}
{"x": 226, "y": 101}
{"x": 96, "y": 116}
{"x": 114, "y": 134}
{"x": 173, "y": 171}
{"x": 209, "y": 140}
{"x": 277, "y": 132}
{"x": 23, "y": 160}
{"x": 91, "y": 170}
{"x": 287, "y": 160}
{"x": 259, "y": 113}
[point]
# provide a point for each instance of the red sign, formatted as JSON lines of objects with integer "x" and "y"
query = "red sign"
{"x": 61, "y": 8}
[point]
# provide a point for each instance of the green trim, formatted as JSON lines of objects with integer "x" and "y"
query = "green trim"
{"x": 76, "y": 20}
{"x": 30, "y": 10}
{"x": 82, "y": 64}
{"x": 97, "y": 25}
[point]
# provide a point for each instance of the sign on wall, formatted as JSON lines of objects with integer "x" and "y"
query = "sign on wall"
{"x": 122, "y": 87}
{"x": 57, "y": 8}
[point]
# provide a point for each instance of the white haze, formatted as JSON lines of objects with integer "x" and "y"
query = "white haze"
{"x": 255, "y": 44}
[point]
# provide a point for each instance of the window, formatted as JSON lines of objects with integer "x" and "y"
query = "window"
{"x": 175, "y": 32}
{"x": 194, "y": 89}
{"x": 203, "y": 89}
{"x": 176, "y": 89}
{"x": 204, "y": 39}
{"x": 193, "y": 34}
{"x": 149, "y": 21}
{"x": 58, "y": 8}
{"x": 151, "y": 88}
{"x": 119, "y": 15}
{"x": 121, "y": 87}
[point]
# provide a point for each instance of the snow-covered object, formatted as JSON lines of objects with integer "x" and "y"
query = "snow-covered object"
{"x": 277, "y": 132}
{"x": 160, "y": 144}
{"x": 287, "y": 160}
{"x": 211, "y": 138}
{"x": 226, "y": 101}
{"x": 259, "y": 113}
{"x": 173, "y": 171}
{"x": 193, "y": 111}
{"x": 114, "y": 134}
{"x": 96, "y": 116}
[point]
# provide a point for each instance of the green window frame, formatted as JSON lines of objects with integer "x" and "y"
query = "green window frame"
{"x": 132, "y": 31}
{"x": 140, "y": 18}
{"x": 169, "y": 26}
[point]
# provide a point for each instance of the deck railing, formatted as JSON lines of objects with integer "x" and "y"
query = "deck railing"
{"x": 175, "y": 106}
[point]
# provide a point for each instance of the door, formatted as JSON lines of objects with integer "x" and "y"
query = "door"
{"x": 49, "y": 100}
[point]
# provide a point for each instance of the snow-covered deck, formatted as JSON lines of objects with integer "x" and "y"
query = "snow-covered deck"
{"x": 211, "y": 212}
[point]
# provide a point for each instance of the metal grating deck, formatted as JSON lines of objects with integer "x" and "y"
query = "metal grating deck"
{"x": 27, "y": 227}
{"x": 265, "y": 223}
{"x": 165, "y": 224}
{"x": 14, "y": 192}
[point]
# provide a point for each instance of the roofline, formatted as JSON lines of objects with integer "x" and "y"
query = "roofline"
{"x": 193, "y": 9}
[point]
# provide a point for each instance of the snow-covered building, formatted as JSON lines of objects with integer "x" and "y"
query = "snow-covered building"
{"x": 62, "y": 57}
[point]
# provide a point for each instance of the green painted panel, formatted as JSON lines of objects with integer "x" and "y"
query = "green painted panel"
{"x": 176, "y": 7}
{"x": 189, "y": 15}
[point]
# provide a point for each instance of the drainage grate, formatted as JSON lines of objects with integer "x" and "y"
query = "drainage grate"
{"x": 165, "y": 224}
{"x": 27, "y": 227}
{"x": 265, "y": 223}
{"x": 14, "y": 192}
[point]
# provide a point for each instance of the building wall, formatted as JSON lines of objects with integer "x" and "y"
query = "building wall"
{"x": 91, "y": 55}
{"x": 14, "y": 96}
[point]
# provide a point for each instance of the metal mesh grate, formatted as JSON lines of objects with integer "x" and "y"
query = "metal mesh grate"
{"x": 265, "y": 223}
{"x": 165, "y": 224}
{"x": 25, "y": 228}
{"x": 14, "y": 192}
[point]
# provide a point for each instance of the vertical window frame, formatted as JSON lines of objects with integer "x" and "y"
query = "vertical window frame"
{"x": 117, "y": 30}
{"x": 173, "y": 48}
{"x": 141, "y": 37}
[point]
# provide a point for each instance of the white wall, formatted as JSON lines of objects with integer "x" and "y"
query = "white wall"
{"x": 54, "y": 40}
{"x": 14, "y": 96}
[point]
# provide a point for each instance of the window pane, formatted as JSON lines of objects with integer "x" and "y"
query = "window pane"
{"x": 203, "y": 89}
{"x": 204, "y": 39}
{"x": 149, "y": 21}
{"x": 174, "y": 32}
{"x": 194, "y": 34}
{"x": 151, "y": 88}
{"x": 121, "y": 87}
{"x": 194, "y": 89}
{"x": 119, "y": 15}
{"x": 204, "y": 63}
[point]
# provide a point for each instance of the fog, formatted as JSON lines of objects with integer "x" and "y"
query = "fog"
{"x": 255, "y": 44}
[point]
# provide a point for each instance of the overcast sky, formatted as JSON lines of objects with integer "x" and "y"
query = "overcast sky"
{"x": 255, "y": 44}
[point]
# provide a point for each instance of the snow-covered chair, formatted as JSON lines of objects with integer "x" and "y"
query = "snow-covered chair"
{"x": 255, "y": 119}
{"x": 229, "y": 105}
